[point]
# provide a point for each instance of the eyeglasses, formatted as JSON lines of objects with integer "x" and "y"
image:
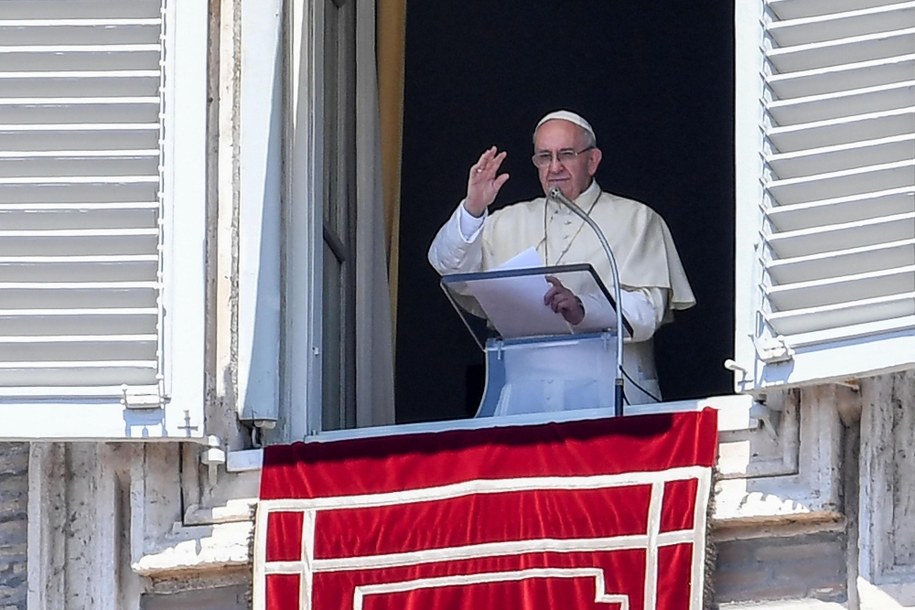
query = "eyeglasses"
{"x": 566, "y": 155}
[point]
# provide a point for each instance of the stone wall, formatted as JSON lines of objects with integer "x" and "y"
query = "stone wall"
{"x": 14, "y": 487}
{"x": 221, "y": 598}
{"x": 807, "y": 566}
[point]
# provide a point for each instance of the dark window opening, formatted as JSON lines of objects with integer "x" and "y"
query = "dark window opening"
{"x": 656, "y": 81}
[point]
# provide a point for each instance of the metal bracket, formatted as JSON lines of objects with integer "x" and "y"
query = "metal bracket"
{"x": 774, "y": 350}
{"x": 212, "y": 456}
{"x": 145, "y": 400}
{"x": 731, "y": 365}
{"x": 768, "y": 418}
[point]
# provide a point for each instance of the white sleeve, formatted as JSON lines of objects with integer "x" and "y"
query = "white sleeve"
{"x": 455, "y": 250}
{"x": 470, "y": 224}
{"x": 644, "y": 309}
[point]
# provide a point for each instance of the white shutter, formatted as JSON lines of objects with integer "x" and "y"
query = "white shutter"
{"x": 826, "y": 189}
{"x": 85, "y": 215}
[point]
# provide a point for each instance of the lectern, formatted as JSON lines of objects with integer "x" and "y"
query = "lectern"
{"x": 535, "y": 360}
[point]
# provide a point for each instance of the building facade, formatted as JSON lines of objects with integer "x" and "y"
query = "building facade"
{"x": 192, "y": 251}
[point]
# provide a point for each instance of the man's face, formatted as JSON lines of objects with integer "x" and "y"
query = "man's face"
{"x": 573, "y": 176}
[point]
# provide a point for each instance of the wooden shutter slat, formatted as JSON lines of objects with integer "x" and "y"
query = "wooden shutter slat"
{"x": 840, "y": 157}
{"x": 842, "y": 51}
{"x": 845, "y": 209}
{"x": 845, "y": 108}
{"x": 797, "y": 9}
{"x": 822, "y": 81}
{"x": 864, "y": 259}
{"x": 844, "y": 24}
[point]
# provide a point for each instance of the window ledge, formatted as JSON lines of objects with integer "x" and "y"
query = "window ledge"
{"x": 197, "y": 549}
{"x": 735, "y": 412}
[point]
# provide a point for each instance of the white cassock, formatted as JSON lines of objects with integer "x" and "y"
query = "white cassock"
{"x": 652, "y": 278}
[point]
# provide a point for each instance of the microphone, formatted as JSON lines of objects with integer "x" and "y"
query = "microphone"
{"x": 556, "y": 195}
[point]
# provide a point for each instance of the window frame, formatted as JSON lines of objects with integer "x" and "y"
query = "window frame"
{"x": 260, "y": 199}
{"x": 186, "y": 236}
{"x": 301, "y": 261}
{"x": 295, "y": 39}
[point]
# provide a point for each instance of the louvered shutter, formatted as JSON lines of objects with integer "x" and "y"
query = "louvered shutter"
{"x": 825, "y": 138}
{"x": 86, "y": 214}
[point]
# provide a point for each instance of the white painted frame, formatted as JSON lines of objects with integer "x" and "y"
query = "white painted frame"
{"x": 748, "y": 163}
{"x": 260, "y": 151}
{"x": 302, "y": 263}
{"x": 279, "y": 122}
{"x": 185, "y": 244}
{"x": 303, "y": 223}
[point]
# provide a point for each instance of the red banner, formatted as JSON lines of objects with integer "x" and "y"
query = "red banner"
{"x": 604, "y": 514}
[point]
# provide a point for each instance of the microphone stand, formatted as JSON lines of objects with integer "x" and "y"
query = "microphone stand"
{"x": 556, "y": 195}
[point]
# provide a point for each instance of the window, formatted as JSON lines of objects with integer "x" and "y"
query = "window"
{"x": 312, "y": 284}
{"x": 338, "y": 344}
{"x": 102, "y": 204}
{"x": 825, "y": 138}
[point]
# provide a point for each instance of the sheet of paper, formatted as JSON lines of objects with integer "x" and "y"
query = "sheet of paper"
{"x": 525, "y": 260}
{"x": 514, "y": 305}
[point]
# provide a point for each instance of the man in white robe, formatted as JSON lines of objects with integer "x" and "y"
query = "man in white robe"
{"x": 652, "y": 278}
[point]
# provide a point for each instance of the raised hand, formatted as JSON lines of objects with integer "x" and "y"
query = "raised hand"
{"x": 563, "y": 301}
{"x": 484, "y": 184}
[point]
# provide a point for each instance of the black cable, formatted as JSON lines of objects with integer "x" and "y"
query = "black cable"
{"x": 633, "y": 382}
